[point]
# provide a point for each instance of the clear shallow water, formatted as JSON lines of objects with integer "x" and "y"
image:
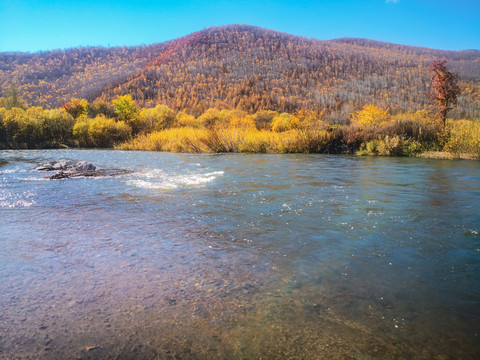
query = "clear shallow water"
{"x": 240, "y": 256}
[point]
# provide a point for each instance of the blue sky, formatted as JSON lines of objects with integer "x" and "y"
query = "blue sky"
{"x": 29, "y": 25}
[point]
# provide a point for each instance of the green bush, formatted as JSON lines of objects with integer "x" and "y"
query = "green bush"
{"x": 128, "y": 112}
{"x": 369, "y": 148}
{"x": 391, "y": 146}
{"x": 57, "y": 128}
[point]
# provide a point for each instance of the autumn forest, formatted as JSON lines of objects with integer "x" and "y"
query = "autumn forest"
{"x": 242, "y": 89}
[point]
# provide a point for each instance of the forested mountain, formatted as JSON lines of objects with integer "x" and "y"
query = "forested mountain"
{"x": 245, "y": 67}
{"x": 53, "y": 77}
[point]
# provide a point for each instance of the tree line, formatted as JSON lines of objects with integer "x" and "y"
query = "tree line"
{"x": 122, "y": 123}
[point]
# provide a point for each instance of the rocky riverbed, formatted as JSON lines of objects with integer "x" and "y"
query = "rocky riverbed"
{"x": 64, "y": 169}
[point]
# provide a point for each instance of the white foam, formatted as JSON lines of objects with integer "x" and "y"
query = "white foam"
{"x": 16, "y": 204}
{"x": 9, "y": 171}
{"x": 32, "y": 179}
{"x": 158, "y": 179}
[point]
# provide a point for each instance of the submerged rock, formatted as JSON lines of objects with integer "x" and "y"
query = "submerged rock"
{"x": 65, "y": 169}
{"x": 88, "y": 173}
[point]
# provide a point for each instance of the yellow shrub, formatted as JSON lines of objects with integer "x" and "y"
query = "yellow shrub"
{"x": 263, "y": 119}
{"x": 311, "y": 119}
{"x": 243, "y": 121}
{"x": 464, "y": 137}
{"x": 425, "y": 117}
{"x": 370, "y": 115}
{"x": 256, "y": 141}
{"x": 285, "y": 122}
{"x": 105, "y": 132}
{"x": 302, "y": 141}
{"x": 158, "y": 118}
{"x": 220, "y": 140}
{"x": 185, "y": 139}
{"x": 286, "y": 142}
{"x": 210, "y": 118}
{"x": 80, "y": 131}
{"x": 184, "y": 119}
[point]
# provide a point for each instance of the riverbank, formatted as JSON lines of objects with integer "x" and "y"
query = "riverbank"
{"x": 443, "y": 155}
{"x": 369, "y": 131}
{"x": 446, "y": 144}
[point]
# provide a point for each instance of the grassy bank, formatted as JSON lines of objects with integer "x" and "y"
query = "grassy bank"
{"x": 368, "y": 131}
{"x": 404, "y": 134}
{"x": 189, "y": 139}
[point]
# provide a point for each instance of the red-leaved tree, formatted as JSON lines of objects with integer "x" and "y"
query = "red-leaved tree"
{"x": 445, "y": 85}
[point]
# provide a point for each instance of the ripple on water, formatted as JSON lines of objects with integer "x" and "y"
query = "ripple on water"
{"x": 159, "y": 180}
{"x": 9, "y": 171}
{"x": 471, "y": 233}
{"x": 13, "y": 199}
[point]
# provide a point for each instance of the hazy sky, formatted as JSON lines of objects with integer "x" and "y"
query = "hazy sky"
{"x": 29, "y": 25}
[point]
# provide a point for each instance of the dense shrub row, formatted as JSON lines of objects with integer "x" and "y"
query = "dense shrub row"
{"x": 121, "y": 124}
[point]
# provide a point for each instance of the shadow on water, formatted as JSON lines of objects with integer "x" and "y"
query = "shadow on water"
{"x": 242, "y": 257}
{"x": 3, "y": 163}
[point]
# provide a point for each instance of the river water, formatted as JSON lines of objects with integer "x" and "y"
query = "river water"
{"x": 240, "y": 257}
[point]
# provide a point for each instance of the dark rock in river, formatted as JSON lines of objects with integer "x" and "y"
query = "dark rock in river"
{"x": 88, "y": 173}
{"x": 65, "y": 169}
{"x": 62, "y": 165}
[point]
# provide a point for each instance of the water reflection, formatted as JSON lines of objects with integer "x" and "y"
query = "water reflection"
{"x": 274, "y": 257}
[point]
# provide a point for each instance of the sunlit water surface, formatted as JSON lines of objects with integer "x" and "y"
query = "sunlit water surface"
{"x": 240, "y": 257}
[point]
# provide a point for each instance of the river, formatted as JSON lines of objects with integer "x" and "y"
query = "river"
{"x": 201, "y": 256}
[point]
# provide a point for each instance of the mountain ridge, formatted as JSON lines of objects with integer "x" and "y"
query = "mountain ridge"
{"x": 143, "y": 45}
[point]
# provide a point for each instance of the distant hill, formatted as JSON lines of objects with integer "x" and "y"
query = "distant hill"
{"x": 52, "y": 77}
{"x": 246, "y": 67}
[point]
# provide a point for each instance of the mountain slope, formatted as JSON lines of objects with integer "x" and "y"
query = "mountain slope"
{"x": 53, "y": 77}
{"x": 253, "y": 68}
{"x": 246, "y": 67}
